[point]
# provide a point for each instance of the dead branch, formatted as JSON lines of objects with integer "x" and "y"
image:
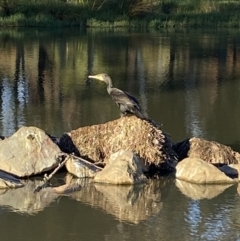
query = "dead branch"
{"x": 48, "y": 177}
{"x": 60, "y": 165}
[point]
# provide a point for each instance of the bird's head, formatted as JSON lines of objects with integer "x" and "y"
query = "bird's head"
{"x": 102, "y": 77}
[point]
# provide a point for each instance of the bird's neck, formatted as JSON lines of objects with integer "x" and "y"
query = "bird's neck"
{"x": 109, "y": 86}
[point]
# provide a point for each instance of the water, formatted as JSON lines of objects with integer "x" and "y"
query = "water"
{"x": 188, "y": 80}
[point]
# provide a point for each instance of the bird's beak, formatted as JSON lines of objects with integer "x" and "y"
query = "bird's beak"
{"x": 97, "y": 76}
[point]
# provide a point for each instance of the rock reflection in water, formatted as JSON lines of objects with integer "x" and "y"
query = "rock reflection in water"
{"x": 24, "y": 200}
{"x": 127, "y": 203}
{"x": 196, "y": 192}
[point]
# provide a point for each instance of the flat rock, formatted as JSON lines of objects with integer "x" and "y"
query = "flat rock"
{"x": 29, "y": 151}
{"x": 123, "y": 167}
{"x": 196, "y": 170}
{"x": 80, "y": 168}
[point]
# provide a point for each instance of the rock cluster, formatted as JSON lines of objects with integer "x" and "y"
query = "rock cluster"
{"x": 122, "y": 151}
{"x": 125, "y": 149}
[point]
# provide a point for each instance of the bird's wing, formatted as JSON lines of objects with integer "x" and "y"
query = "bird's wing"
{"x": 121, "y": 97}
{"x": 132, "y": 98}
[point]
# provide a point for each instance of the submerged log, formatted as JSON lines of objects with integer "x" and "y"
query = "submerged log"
{"x": 96, "y": 143}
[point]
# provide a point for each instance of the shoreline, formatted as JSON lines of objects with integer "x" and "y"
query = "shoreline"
{"x": 161, "y": 23}
{"x": 111, "y": 14}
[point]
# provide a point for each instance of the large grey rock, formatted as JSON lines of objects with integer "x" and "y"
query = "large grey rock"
{"x": 123, "y": 167}
{"x": 196, "y": 170}
{"x": 27, "y": 152}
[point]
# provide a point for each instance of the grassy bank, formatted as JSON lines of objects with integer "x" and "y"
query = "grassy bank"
{"x": 124, "y": 13}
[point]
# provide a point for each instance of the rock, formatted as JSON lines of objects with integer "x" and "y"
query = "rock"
{"x": 229, "y": 171}
{"x": 209, "y": 151}
{"x": 200, "y": 191}
{"x": 29, "y": 151}
{"x": 9, "y": 181}
{"x": 66, "y": 145}
{"x": 123, "y": 168}
{"x": 81, "y": 169}
{"x": 98, "y": 142}
{"x": 196, "y": 170}
{"x": 140, "y": 163}
{"x": 236, "y": 167}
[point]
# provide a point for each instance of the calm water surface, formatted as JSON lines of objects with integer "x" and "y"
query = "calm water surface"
{"x": 189, "y": 81}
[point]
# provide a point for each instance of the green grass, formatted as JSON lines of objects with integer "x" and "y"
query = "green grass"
{"x": 120, "y": 13}
{"x": 40, "y": 20}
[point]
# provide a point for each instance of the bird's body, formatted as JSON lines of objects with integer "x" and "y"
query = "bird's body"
{"x": 126, "y": 102}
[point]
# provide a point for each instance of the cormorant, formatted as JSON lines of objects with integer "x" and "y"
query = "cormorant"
{"x": 126, "y": 102}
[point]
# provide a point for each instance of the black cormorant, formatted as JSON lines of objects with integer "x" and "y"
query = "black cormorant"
{"x": 126, "y": 102}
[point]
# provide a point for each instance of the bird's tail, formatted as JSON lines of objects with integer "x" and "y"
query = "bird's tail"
{"x": 139, "y": 114}
{"x": 135, "y": 110}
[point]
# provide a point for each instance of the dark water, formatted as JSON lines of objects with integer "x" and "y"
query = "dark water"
{"x": 187, "y": 80}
